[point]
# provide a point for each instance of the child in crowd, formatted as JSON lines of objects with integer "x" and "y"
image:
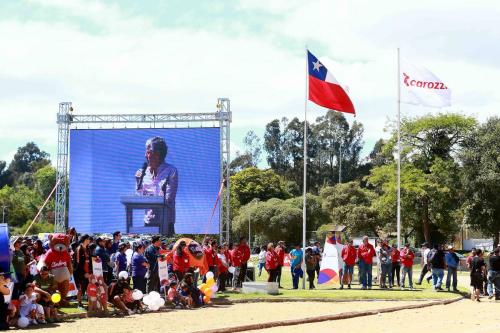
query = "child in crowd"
{"x": 29, "y": 307}
{"x": 186, "y": 297}
{"x": 97, "y": 296}
{"x": 262, "y": 259}
{"x": 193, "y": 290}
{"x": 173, "y": 295}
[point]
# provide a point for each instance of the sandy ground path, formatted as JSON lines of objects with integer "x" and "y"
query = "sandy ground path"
{"x": 462, "y": 316}
{"x": 214, "y": 317}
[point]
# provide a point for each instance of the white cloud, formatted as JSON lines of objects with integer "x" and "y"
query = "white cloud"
{"x": 133, "y": 66}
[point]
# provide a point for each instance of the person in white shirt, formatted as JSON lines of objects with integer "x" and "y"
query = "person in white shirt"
{"x": 425, "y": 267}
{"x": 262, "y": 259}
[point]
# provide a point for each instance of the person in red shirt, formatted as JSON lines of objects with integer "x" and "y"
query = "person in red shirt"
{"x": 280, "y": 251}
{"x": 272, "y": 262}
{"x": 396, "y": 268}
{"x": 348, "y": 254}
{"x": 210, "y": 251}
{"x": 240, "y": 256}
{"x": 407, "y": 257}
{"x": 366, "y": 251}
{"x": 222, "y": 268}
{"x": 181, "y": 261}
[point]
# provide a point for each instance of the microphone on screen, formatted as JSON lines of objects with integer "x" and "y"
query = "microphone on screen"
{"x": 143, "y": 172}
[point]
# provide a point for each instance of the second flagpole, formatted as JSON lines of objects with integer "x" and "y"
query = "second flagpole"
{"x": 399, "y": 157}
{"x": 304, "y": 214}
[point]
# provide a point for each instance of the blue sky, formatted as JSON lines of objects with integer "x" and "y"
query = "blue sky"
{"x": 179, "y": 56}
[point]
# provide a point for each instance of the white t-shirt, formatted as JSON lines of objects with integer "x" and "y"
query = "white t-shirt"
{"x": 425, "y": 254}
{"x": 262, "y": 257}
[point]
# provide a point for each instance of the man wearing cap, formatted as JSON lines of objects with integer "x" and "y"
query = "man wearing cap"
{"x": 425, "y": 263}
{"x": 452, "y": 262}
{"x": 100, "y": 251}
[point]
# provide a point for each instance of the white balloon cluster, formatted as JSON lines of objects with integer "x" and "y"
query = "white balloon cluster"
{"x": 153, "y": 300}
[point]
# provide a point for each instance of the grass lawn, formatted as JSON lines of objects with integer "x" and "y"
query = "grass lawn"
{"x": 423, "y": 291}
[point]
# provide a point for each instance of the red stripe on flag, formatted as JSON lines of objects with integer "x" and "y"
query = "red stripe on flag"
{"x": 329, "y": 95}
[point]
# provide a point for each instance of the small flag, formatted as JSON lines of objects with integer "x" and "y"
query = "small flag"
{"x": 419, "y": 86}
{"x": 324, "y": 89}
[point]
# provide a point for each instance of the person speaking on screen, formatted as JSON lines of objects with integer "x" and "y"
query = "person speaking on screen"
{"x": 158, "y": 178}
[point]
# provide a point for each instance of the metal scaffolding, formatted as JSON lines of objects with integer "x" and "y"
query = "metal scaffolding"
{"x": 66, "y": 120}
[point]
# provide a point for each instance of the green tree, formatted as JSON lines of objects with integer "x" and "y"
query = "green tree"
{"x": 430, "y": 188}
{"x": 274, "y": 142}
{"x": 278, "y": 219}
{"x": 481, "y": 178}
{"x": 253, "y": 183}
{"x": 45, "y": 180}
{"x": 350, "y": 205}
{"x": 27, "y": 160}
{"x": 5, "y": 175}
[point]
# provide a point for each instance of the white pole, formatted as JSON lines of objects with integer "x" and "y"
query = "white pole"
{"x": 305, "y": 177}
{"x": 399, "y": 156}
{"x": 340, "y": 162}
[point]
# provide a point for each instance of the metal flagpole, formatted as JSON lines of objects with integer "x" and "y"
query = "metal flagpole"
{"x": 399, "y": 155}
{"x": 305, "y": 178}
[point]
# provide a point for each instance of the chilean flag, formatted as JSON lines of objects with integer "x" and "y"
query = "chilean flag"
{"x": 324, "y": 89}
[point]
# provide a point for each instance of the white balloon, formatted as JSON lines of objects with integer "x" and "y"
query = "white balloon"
{"x": 147, "y": 300}
{"x": 154, "y": 307}
{"x": 159, "y": 302}
{"x": 137, "y": 295}
{"x": 154, "y": 295}
{"x": 214, "y": 288}
{"x": 23, "y": 322}
{"x": 123, "y": 275}
{"x": 231, "y": 269}
{"x": 209, "y": 275}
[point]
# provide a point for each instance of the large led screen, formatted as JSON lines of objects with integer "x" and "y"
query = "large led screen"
{"x": 145, "y": 180}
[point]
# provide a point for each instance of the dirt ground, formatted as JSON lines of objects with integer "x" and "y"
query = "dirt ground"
{"x": 213, "y": 317}
{"x": 462, "y": 316}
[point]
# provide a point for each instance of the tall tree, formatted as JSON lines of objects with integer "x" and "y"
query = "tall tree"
{"x": 274, "y": 142}
{"x": 5, "y": 175}
{"x": 481, "y": 178}
{"x": 429, "y": 169}
{"x": 253, "y": 147}
{"x": 27, "y": 160}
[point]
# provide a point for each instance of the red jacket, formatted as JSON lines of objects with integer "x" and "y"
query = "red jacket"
{"x": 227, "y": 254}
{"x": 221, "y": 268}
{"x": 181, "y": 263}
{"x": 272, "y": 259}
{"x": 211, "y": 256}
{"x": 281, "y": 255}
{"x": 395, "y": 256}
{"x": 366, "y": 253}
{"x": 240, "y": 255}
{"x": 407, "y": 256}
{"x": 349, "y": 255}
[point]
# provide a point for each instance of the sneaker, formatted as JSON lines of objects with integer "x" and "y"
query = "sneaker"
{"x": 456, "y": 290}
{"x": 341, "y": 287}
{"x": 130, "y": 312}
{"x": 33, "y": 322}
{"x": 418, "y": 283}
{"x": 42, "y": 321}
{"x": 369, "y": 288}
{"x": 348, "y": 286}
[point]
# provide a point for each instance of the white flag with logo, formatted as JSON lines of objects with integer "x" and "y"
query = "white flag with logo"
{"x": 419, "y": 86}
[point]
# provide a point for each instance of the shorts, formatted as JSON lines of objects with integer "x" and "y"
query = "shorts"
{"x": 348, "y": 269}
{"x": 476, "y": 281}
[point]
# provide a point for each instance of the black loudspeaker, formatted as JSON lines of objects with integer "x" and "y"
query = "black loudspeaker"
{"x": 250, "y": 276}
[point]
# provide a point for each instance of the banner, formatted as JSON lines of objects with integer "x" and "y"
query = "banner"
{"x": 97, "y": 267}
{"x": 163, "y": 271}
{"x": 331, "y": 262}
{"x": 419, "y": 86}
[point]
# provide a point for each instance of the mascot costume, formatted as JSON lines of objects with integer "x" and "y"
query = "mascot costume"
{"x": 58, "y": 260}
{"x": 195, "y": 254}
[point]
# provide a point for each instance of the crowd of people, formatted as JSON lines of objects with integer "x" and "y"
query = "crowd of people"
{"x": 394, "y": 266}
{"x": 122, "y": 275}
{"x": 133, "y": 267}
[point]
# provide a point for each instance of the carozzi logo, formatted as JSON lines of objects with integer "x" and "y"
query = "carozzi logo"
{"x": 423, "y": 84}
